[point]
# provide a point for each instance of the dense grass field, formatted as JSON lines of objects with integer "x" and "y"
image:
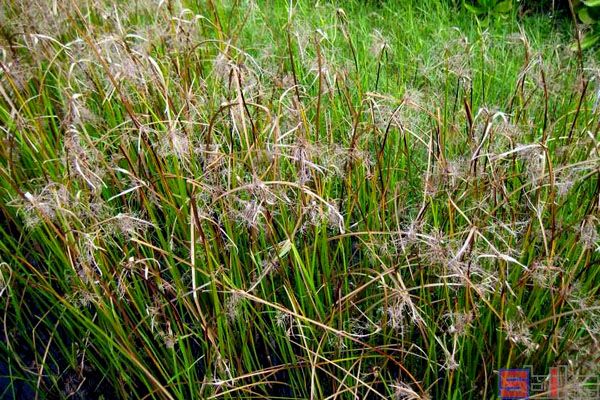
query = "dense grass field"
{"x": 308, "y": 200}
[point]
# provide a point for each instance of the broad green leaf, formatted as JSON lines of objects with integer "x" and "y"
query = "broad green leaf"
{"x": 589, "y": 40}
{"x": 592, "y": 3}
{"x": 585, "y": 17}
{"x": 503, "y": 7}
{"x": 473, "y": 9}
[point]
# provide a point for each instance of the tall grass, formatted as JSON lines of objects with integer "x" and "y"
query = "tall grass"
{"x": 247, "y": 199}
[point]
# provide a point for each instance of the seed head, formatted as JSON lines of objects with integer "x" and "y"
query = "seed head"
{"x": 459, "y": 322}
{"x": 401, "y": 311}
{"x": 403, "y": 391}
{"x": 222, "y": 68}
{"x": 589, "y": 237}
{"x": 252, "y": 213}
{"x": 233, "y": 306}
{"x": 518, "y": 333}
{"x": 130, "y": 225}
{"x": 379, "y": 43}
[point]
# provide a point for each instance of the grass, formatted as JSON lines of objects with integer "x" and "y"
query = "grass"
{"x": 266, "y": 199}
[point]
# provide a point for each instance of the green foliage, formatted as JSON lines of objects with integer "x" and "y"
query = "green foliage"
{"x": 486, "y": 9}
{"x": 206, "y": 199}
{"x": 588, "y": 12}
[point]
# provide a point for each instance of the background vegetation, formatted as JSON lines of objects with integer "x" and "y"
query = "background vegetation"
{"x": 245, "y": 199}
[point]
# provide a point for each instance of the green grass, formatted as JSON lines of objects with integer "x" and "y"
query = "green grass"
{"x": 241, "y": 199}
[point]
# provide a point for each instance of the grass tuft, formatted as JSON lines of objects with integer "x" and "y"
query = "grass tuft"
{"x": 243, "y": 199}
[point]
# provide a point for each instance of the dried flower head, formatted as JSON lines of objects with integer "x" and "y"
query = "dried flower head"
{"x": 459, "y": 322}
{"x": 285, "y": 322}
{"x": 403, "y": 391}
{"x": 84, "y": 297}
{"x": 83, "y": 158}
{"x": 401, "y": 311}
{"x": 168, "y": 337}
{"x": 533, "y": 159}
{"x": 47, "y": 204}
{"x": 222, "y": 68}
{"x": 176, "y": 143}
{"x": 518, "y": 333}
{"x": 589, "y": 237}
{"x": 233, "y": 306}
{"x": 252, "y": 213}
{"x": 543, "y": 274}
{"x": 379, "y": 43}
{"x": 130, "y": 225}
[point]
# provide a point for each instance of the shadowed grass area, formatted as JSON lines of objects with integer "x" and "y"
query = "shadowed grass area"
{"x": 239, "y": 199}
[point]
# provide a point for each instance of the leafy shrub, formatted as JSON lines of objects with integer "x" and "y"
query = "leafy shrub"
{"x": 489, "y": 8}
{"x": 588, "y": 12}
